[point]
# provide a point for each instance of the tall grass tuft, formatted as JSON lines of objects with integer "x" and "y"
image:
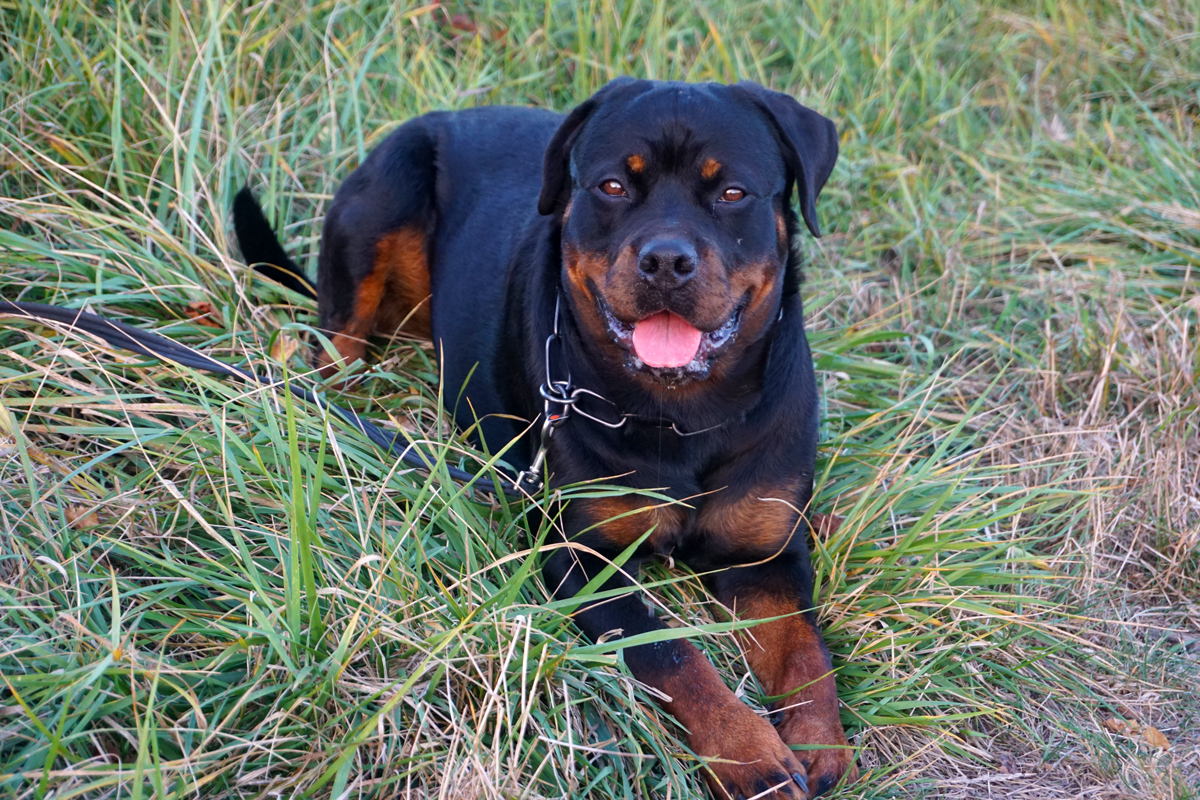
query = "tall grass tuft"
{"x": 212, "y": 590}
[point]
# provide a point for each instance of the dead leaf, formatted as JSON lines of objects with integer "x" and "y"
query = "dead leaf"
{"x": 1155, "y": 738}
{"x": 1117, "y": 725}
{"x": 461, "y": 22}
{"x": 204, "y": 313}
{"x": 826, "y": 525}
{"x": 79, "y": 517}
{"x": 1125, "y": 711}
{"x": 284, "y": 348}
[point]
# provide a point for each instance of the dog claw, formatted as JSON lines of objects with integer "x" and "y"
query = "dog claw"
{"x": 801, "y": 781}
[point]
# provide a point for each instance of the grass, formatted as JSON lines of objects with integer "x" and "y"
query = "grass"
{"x": 208, "y": 590}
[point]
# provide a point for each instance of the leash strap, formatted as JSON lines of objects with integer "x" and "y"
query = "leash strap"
{"x": 128, "y": 337}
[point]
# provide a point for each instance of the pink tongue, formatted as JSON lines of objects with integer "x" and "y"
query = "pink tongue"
{"x": 665, "y": 340}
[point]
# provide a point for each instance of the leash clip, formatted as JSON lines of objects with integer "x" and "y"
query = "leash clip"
{"x": 554, "y": 393}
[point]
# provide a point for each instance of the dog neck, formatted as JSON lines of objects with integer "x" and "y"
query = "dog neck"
{"x": 731, "y": 391}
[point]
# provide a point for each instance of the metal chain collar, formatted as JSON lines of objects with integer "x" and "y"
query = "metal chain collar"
{"x": 561, "y": 399}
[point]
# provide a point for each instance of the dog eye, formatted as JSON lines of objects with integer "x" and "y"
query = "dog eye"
{"x": 613, "y": 189}
{"x": 732, "y": 195}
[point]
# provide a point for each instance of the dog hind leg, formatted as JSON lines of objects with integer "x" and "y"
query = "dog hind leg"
{"x": 373, "y": 275}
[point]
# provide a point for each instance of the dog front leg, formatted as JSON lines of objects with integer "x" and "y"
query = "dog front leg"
{"x": 744, "y": 756}
{"x": 790, "y": 661}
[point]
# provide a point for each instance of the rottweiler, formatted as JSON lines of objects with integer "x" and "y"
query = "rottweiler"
{"x": 643, "y": 245}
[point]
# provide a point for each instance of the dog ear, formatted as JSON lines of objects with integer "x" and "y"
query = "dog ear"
{"x": 556, "y": 164}
{"x": 809, "y": 142}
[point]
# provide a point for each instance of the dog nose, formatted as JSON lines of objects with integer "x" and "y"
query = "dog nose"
{"x": 668, "y": 262}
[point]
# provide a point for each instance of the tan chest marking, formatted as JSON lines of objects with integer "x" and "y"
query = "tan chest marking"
{"x": 760, "y": 521}
{"x": 621, "y": 521}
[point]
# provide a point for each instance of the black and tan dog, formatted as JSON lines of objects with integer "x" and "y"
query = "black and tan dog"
{"x": 657, "y": 219}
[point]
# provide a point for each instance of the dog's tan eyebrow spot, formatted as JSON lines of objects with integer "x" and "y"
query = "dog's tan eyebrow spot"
{"x": 709, "y": 168}
{"x": 636, "y": 163}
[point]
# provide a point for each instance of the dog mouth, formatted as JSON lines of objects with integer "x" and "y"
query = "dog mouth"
{"x": 667, "y": 345}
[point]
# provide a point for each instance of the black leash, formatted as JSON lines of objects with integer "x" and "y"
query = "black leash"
{"x": 561, "y": 396}
{"x": 128, "y": 337}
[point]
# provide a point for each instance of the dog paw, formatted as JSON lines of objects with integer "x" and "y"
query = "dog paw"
{"x": 825, "y": 767}
{"x": 746, "y": 758}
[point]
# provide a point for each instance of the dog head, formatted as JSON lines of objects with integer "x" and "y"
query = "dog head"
{"x": 676, "y": 223}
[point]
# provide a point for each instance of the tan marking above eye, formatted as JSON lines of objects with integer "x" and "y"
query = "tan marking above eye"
{"x": 635, "y": 163}
{"x": 709, "y": 168}
{"x": 732, "y": 195}
{"x": 613, "y": 189}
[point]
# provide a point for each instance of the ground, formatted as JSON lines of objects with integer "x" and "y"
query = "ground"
{"x": 211, "y": 591}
